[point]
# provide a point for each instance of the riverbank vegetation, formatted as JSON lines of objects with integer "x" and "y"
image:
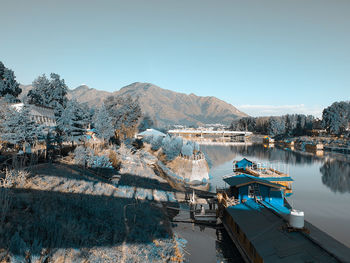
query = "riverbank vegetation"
{"x": 335, "y": 121}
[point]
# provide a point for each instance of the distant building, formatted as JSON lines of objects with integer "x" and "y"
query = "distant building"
{"x": 40, "y": 114}
{"x": 150, "y": 132}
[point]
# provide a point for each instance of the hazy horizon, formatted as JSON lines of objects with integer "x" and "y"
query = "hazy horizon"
{"x": 265, "y": 58}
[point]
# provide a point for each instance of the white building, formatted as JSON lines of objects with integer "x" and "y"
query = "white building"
{"x": 40, "y": 114}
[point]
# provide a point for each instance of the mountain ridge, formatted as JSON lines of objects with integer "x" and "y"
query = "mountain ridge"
{"x": 165, "y": 106}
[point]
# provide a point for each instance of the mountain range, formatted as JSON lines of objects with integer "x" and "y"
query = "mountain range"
{"x": 166, "y": 107}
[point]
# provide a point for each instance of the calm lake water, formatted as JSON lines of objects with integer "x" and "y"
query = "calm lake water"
{"x": 321, "y": 186}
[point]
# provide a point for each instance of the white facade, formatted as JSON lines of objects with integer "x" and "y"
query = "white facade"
{"x": 40, "y": 114}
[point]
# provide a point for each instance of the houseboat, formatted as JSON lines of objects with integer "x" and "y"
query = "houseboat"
{"x": 265, "y": 228}
{"x": 259, "y": 170}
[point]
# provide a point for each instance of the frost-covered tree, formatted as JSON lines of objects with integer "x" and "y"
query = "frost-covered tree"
{"x": 125, "y": 113}
{"x": 48, "y": 92}
{"x": 9, "y": 87}
{"x": 82, "y": 155}
{"x": 336, "y": 118}
{"x": 187, "y": 149}
{"x": 172, "y": 147}
{"x": 156, "y": 143}
{"x": 87, "y": 158}
{"x": 276, "y": 126}
{"x": 103, "y": 124}
{"x": 19, "y": 128}
{"x": 71, "y": 123}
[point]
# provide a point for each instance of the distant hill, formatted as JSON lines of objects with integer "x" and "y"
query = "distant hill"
{"x": 165, "y": 106}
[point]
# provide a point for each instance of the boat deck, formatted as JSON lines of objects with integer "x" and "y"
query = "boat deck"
{"x": 264, "y": 228}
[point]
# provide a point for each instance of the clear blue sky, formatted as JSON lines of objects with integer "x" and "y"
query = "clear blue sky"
{"x": 262, "y": 56}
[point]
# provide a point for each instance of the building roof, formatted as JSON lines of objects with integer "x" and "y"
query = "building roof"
{"x": 263, "y": 228}
{"x": 275, "y": 179}
{"x": 244, "y": 179}
{"x": 36, "y": 110}
{"x": 243, "y": 163}
{"x": 151, "y": 132}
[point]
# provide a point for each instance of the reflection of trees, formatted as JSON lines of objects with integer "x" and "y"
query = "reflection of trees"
{"x": 276, "y": 154}
{"x": 336, "y": 175}
{"x": 221, "y": 154}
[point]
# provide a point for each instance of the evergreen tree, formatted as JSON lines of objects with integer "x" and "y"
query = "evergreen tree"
{"x": 172, "y": 147}
{"x": 48, "y": 92}
{"x": 125, "y": 113}
{"x": 9, "y": 87}
{"x": 103, "y": 124}
{"x": 2, "y": 69}
{"x": 276, "y": 126}
{"x": 336, "y": 118}
{"x": 187, "y": 149}
{"x": 71, "y": 124}
{"x": 19, "y": 128}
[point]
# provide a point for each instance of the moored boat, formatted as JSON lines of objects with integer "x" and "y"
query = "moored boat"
{"x": 265, "y": 228}
{"x": 264, "y": 172}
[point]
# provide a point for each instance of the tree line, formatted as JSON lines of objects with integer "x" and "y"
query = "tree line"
{"x": 289, "y": 125}
{"x": 335, "y": 120}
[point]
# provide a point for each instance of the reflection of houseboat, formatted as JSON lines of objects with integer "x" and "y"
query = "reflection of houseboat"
{"x": 286, "y": 144}
{"x": 265, "y": 228}
{"x": 258, "y": 170}
{"x": 314, "y": 147}
{"x": 268, "y": 140}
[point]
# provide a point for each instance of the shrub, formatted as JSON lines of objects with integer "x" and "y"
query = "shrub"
{"x": 137, "y": 143}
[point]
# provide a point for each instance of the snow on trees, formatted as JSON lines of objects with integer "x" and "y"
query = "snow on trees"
{"x": 290, "y": 124}
{"x": 125, "y": 113}
{"x": 48, "y": 92}
{"x": 87, "y": 158}
{"x": 72, "y": 121}
{"x": 9, "y": 87}
{"x": 103, "y": 124}
{"x": 172, "y": 147}
{"x": 276, "y": 126}
{"x": 336, "y": 118}
{"x": 19, "y": 128}
{"x": 187, "y": 149}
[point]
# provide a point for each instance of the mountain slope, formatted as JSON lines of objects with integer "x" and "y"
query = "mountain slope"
{"x": 165, "y": 106}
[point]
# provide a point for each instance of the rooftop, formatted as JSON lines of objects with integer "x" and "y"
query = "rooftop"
{"x": 244, "y": 179}
{"x": 263, "y": 228}
{"x": 151, "y": 132}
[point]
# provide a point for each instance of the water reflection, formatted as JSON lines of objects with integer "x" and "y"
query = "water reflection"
{"x": 277, "y": 154}
{"x": 316, "y": 180}
{"x": 336, "y": 175}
